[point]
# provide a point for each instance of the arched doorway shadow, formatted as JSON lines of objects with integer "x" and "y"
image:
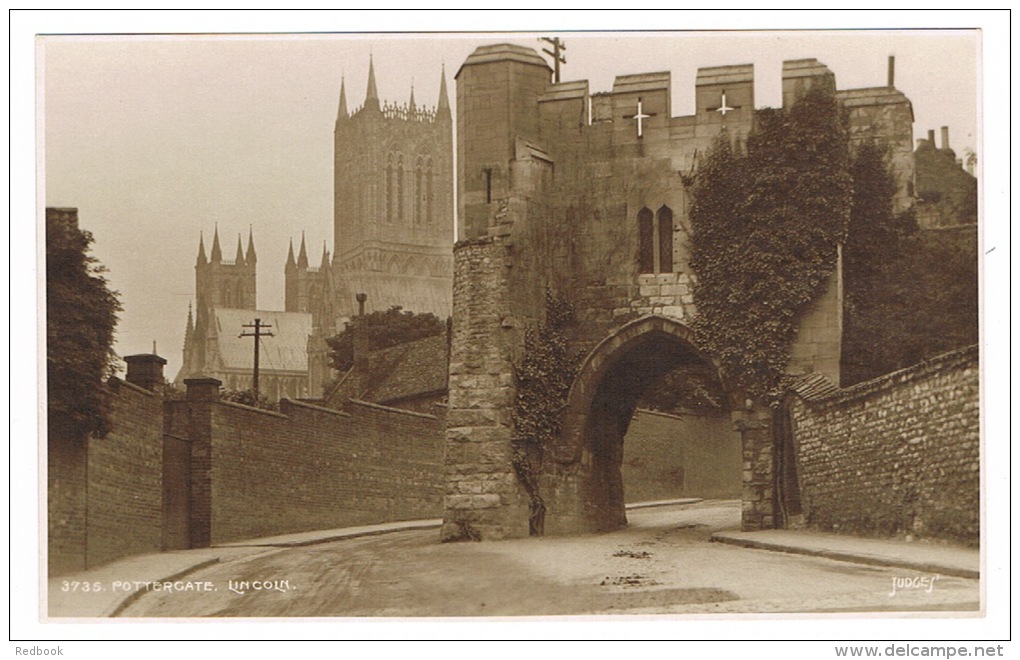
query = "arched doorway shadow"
{"x": 584, "y": 484}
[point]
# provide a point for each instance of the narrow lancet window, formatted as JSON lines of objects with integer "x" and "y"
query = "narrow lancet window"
{"x": 646, "y": 241}
{"x": 665, "y": 240}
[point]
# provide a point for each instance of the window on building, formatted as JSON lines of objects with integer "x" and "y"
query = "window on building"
{"x": 646, "y": 241}
{"x": 665, "y": 217}
{"x": 389, "y": 187}
{"x": 429, "y": 193}
{"x": 400, "y": 189}
{"x": 655, "y": 240}
{"x": 419, "y": 192}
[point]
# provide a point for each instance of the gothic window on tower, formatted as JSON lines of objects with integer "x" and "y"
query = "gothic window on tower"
{"x": 429, "y": 192}
{"x": 655, "y": 240}
{"x": 400, "y": 189}
{"x": 419, "y": 192}
{"x": 389, "y": 187}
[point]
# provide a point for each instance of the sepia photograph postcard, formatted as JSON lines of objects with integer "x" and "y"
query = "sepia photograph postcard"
{"x": 675, "y": 328}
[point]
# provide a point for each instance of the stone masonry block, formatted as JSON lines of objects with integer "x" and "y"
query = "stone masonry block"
{"x": 484, "y": 501}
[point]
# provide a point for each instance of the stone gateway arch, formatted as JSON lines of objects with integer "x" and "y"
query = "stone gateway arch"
{"x": 581, "y": 194}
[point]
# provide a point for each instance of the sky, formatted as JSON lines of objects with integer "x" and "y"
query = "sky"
{"x": 156, "y": 139}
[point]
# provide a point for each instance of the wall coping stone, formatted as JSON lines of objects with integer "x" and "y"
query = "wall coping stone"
{"x": 241, "y": 406}
{"x": 377, "y": 406}
{"x": 115, "y": 383}
{"x": 312, "y": 406}
{"x": 892, "y": 379}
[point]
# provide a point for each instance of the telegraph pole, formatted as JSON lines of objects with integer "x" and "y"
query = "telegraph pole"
{"x": 556, "y": 53}
{"x": 259, "y": 332}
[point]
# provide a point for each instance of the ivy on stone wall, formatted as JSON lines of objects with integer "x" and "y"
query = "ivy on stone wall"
{"x": 765, "y": 224}
{"x": 543, "y": 377}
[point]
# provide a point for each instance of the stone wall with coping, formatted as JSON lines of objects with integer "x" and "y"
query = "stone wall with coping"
{"x": 896, "y": 455}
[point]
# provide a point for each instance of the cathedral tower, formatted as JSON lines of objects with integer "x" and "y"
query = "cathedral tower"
{"x": 393, "y": 203}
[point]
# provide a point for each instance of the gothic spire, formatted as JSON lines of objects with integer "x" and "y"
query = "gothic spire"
{"x": 201, "y": 249}
{"x": 341, "y": 111}
{"x": 302, "y": 260}
{"x": 250, "y": 257}
{"x": 239, "y": 257}
{"x": 290, "y": 256}
{"x": 325, "y": 258}
{"x": 217, "y": 254}
{"x": 443, "y": 109}
{"x": 190, "y": 328}
{"x": 372, "y": 94}
{"x": 410, "y": 104}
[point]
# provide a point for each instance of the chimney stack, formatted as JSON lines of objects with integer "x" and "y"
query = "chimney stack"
{"x": 931, "y": 136}
{"x": 945, "y": 137}
{"x": 892, "y": 71}
{"x": 145, "y": 370}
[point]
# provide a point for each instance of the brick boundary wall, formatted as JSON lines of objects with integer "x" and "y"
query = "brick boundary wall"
{"x": 252, "y": 473}
{"x": 125, "y": 510}
{"x": 896, "y": 455}
{"x": 310, "y": 467}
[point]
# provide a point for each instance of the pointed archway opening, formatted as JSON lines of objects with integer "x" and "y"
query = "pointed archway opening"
{"x": 589, "y": 493}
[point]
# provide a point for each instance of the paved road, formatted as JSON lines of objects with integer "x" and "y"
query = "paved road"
{"x": 662, "y": 563}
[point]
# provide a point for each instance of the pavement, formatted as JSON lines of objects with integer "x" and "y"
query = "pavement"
{"x": 122, "y": 582}
{"x": 926, "y": 557}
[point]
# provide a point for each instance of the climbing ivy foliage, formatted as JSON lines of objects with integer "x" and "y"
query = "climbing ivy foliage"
{"x": 765, "y": 225}
{"x": 543, "y": 377}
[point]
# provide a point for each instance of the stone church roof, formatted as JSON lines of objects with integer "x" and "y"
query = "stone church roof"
{"x": 286, "y": 350}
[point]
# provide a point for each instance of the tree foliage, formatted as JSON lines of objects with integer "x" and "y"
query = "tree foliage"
{"x": 385, "y": 329}
{"x": 81, "y": 316}
{"x": 909, "y": 295}
{"x": 765, "y": 225}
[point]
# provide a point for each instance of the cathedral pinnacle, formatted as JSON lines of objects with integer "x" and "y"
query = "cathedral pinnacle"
{"x": 217, "y": 254}
{"x": 341, "y": 111}
{"x": 250, "y": 257}
{"x": 201, "y": 249}
{"x": 239, "y": 257}
{"x": 324, "y": 264}
{"x": 302, "y": 260}
{"x": 410, "y": 104}
{"x": 372, "y": 94}
{"x": 443, "y": 109}
{"x": 290, "y": 256}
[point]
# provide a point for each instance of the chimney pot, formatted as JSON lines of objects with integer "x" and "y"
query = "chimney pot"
{"x": 945, "y": 137}
{"x": 145, "y": 370}
{"x": 892, "y": 71}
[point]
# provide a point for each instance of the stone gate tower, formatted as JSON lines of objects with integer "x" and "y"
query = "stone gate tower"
{"x": 578, "y": 193}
